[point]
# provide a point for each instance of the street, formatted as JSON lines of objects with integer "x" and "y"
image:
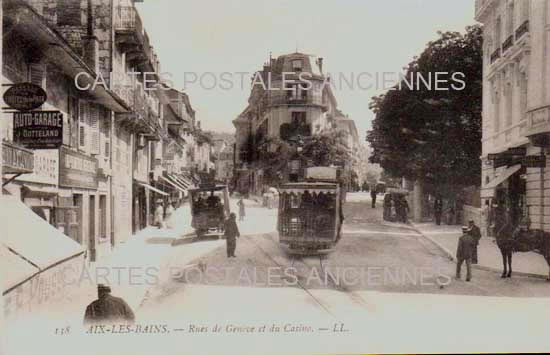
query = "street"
{"x": 264, "y": 295}
{"x": 372, "y": 255}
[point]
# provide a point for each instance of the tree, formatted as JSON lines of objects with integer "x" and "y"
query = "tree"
{"x": 433, "y": 135}
{"x": 322, "y": 149}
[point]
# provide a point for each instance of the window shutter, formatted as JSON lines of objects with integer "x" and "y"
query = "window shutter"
{"x": 93, "y": 124}
{"x": 37, "y": 74}
{"x": 82, "y": 124}
{"x": 106, "y": 132}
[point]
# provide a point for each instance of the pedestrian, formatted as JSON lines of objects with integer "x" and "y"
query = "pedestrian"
{"x": 373, "y": 197}
{"x": 242, "y": 211}
{"x": 464, "y": 253}
{"x": 438, "y": 210}
{"x": 169, "y": 215}
{"x": 387, "y": 207}
{"x": 404, "y": 209}
{"x": 159, "y": 215}
{"x": 108, "y": 309}
{"x": 231, "y": 232}
{"x": 475, "y": 232}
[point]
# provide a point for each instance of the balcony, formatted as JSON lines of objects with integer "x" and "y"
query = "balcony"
{"x": 495, "y": 55}
{"x": 508, "y": 43}
{"x": 522, "y": 29}
{"x": 133, "y": 40}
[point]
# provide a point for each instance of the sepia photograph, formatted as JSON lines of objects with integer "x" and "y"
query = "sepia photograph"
{"x": 274, "y": 176}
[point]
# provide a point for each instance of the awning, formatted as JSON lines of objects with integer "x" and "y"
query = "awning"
{"x": 178, "y": 182}
{"x": 173, "y": 184}
{"x": 489, "y": 189}
{"x": 183, "y": 181}
{"x": 151, "y": 188}
{"x": 29, "y": 245}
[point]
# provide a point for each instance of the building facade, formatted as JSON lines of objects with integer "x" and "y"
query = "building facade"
{"x": 290, "y": 97}
{"x": 118, "y": 127}
{"x": 516, "y": 108}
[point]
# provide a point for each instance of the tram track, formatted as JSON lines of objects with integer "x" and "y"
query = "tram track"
{"x": 299, "y": 283}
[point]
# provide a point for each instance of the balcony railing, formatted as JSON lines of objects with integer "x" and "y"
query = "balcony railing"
{"x": 127, "y": 19}
{"x": 130, "y": 31}
{"x": 495, "y": 55}
{"x": 507, "y": 43}
{"x": 522, "y": 29}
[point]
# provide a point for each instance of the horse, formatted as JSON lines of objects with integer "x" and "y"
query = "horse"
{"x": 510, "y": 240}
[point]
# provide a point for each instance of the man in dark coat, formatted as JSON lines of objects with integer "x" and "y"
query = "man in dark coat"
{"x": 387, "y": 207}
{"x": 475, "y": 232}
{"x": 438, "y": 210}
{"x": 231, "y": 234}
{"x": 108, "y": 309}
{"x": 373, "y": 196}
{"x": 464, "y": 253}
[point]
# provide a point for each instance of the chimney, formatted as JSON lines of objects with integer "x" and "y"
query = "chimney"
{"x": 90, "y": 43}
{"x": 320, "y": 64}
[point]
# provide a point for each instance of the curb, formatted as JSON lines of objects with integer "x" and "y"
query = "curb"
{"x": 452, "y": 257}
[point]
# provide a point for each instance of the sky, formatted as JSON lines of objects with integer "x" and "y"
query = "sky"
{"x": 207, "y": 38}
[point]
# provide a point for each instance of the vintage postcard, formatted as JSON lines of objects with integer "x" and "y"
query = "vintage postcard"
{"x": 274, "y": 176}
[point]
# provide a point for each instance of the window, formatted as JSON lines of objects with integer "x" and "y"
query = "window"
{"x": 297, "y": 65}
{"x": 69, "y": 13}
{"x": 498, "y": 33}
{"x": 497, "y": 111}
{"x": 296, "y": 91}
{"x": 105, "y": 129}
{"x": 71, "y": 138}
{"x": 509, "y": 106}
{"x": 524, "y": 10}
{"x": 510, "y": 19}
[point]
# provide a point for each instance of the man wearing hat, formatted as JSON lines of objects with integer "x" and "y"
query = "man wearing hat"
{"x": 231, "y": 232}
{"x": 108, "y": 309}
{"x": 464, "y": 253}
{"x": 475, "y": 232}
{"x": 159, "y": 214}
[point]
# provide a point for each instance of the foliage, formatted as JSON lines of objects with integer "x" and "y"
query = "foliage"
{"x": 429, "y": 134}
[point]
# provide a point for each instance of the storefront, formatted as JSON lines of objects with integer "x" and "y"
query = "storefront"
{"x": 515, "y": 174}
{"x": 84, "y": 218}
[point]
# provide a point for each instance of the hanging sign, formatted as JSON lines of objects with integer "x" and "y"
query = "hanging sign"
{"x": 25, "y": 97}
{"x": 38, "y": 129}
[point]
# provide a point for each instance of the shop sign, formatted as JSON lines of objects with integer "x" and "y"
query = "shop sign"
{"x": 38, "y": 129}
{"x": 16, "y": 160}
{"x": 535, "y": 161}
{"x": 25, "y": 97}
{"x": 77, "y": 170}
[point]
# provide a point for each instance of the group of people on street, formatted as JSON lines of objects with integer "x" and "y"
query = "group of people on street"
{"x": 396, "y": 208}
{"x": 163, "y": 218}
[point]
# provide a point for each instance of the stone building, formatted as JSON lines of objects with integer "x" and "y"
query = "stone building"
{"x": 516, "y": 108}
{"x": 290, "y": 96}
{"x": 116, "y": 125}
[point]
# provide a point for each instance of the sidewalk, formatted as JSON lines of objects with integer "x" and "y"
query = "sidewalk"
{"x": 489, "y": 257}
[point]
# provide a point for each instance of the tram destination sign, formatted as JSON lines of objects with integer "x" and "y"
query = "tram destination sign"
{"x": 25, "y": 97}
{"x": 38, "y": 129}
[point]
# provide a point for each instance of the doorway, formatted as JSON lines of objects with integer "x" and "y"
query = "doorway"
{"x": 92, "y": 229}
